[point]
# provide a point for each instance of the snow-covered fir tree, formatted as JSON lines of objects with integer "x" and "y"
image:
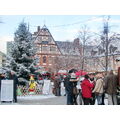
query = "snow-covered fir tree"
{"x": 22, "y": 56}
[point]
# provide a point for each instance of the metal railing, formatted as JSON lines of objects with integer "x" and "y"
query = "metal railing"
{"x": 24, "y": 90}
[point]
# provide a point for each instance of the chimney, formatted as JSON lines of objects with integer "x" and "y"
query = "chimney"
{"x": 38, "y": 28}
{"x": 76, "y": 42}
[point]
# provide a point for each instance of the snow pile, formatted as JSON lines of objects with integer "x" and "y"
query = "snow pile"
{"x": 35, "y": 97}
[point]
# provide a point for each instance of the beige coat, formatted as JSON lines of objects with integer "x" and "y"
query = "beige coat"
{"x": 98, "y": 86}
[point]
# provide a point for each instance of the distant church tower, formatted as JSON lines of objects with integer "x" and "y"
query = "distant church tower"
{"x": 48, "y": 48}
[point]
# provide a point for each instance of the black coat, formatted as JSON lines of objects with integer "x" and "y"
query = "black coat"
{"x": 1, "y": 78}
{"x": 68, "y": 85}
{"x": 15, "y": 81}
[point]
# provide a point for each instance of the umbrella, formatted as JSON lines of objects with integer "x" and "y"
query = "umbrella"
{"x": 72, "y": 70}
{"x": 80, "y": 73}
{"x": 62, "y": 72}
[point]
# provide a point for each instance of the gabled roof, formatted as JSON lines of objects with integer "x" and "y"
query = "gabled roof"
{"x": 44, "y": 28}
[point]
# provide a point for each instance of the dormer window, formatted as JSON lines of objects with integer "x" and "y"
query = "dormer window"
{"x": 52, "y": 48}
{"x": 44, "y": 42}
{"x": 45, "y": 48}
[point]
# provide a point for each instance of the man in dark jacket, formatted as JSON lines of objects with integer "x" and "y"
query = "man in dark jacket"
{"x": 69, "y": 90}
{"x": 2, "y": 77}
{"x": 111, "y": 82}
{"x": 13, "y": 77}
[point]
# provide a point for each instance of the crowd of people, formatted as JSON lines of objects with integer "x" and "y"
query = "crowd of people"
{"x": 91, "y": 87}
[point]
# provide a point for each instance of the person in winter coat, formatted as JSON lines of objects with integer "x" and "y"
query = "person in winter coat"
{"x": 111, "y": 82}
{"x": 86, "y": 86}
{"x": 69, "y": 89}
{"x": 57, "y": 85}
{"x": 12, "y": 76}
{"x": 98, "y": 90}
{"x": 2, "y": 77}
{"x": 92, "y": 79}
{"x": 74, "y": 81}
{"x": 103, "y": 95}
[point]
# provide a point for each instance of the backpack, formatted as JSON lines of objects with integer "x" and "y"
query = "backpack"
{"x": 75, "y": 91}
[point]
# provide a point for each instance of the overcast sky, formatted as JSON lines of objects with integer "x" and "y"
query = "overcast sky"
{"x": 62, "y": 27}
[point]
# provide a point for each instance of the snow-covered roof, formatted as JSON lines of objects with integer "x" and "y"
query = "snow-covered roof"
{"x": 2, "y": 54}
{"x": 68, "y": 48}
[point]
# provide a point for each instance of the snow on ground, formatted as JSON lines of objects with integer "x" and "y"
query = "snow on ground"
{"x": 105, "y": 101}
{"x": 35, "y": 97}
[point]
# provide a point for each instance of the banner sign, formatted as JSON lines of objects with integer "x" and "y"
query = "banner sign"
{"x": 7, "y": 90}
{"x": 47, "y": 87}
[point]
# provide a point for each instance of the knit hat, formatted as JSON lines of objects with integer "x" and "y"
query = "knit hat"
{"x": 31, "y": 77}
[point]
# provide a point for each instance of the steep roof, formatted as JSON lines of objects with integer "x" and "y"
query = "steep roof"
{"x": 44, "y": 32}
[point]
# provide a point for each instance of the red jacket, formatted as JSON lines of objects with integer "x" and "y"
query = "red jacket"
{"x": 87, "y": 88}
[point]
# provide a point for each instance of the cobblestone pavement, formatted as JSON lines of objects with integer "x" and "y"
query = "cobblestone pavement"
{"x": 48, "y": 101}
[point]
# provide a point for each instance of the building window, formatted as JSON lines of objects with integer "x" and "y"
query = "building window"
{"x": 44, "y": 42}
{"x": 50, "y": 60}
{"x": 45, "y": 48}
{"x": 44, "y": 59}
{"x": 52, "y": 48}
{"x": 49, "y": 39}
